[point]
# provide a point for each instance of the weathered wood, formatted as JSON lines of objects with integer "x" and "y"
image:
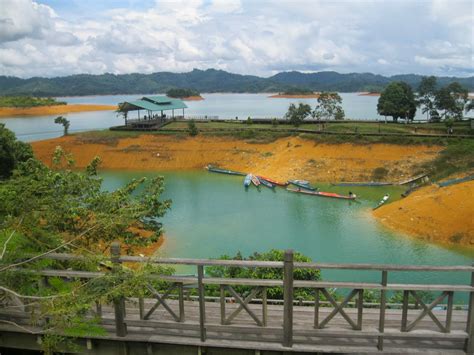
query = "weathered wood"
{"x": 316, "y": 309}
{"x": 222, "y": 303}
{"x": 141, "y": 308}
{"x": 288, "y": 299}
{"x": 449, "y": 312}
{"x": 243, "y": 304}
{"x": 202, "y": 303}
{"x": 405, "y": 310}
{"x": 338, "y": 308}
{"x": 381, "y": 267}
{"x": 181, "y": 302}
{"x": 264, "y": 307}
{"x": 161, "y": 301}
{"x": 360, "y": 305}
{"x": 119, "y": 304}
{"x": 382, "y": 310}
{"x": 427, "y": 310}
{"x": 469, "y": 344}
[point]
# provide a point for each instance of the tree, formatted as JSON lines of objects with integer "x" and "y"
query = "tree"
{"x": 398, "y": 101}
{"x": 122, "y": 112}
{"x": 329, "y": 106}
{"x": 426, "y": 95}
{"x": 12, "y": 152}
{"x": 192, "y": 129}
{"x": 65, "y": 122}
{"x": 452, "y": 99}
{"x": 296, "y": 114}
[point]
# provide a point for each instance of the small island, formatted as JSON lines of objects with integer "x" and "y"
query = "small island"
{"x": 184, "y": 94}
{"x": 296, "y": 93}
{"x": 33, "y": 106}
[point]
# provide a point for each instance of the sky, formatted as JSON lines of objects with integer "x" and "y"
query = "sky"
{"x": 260, "y": 37}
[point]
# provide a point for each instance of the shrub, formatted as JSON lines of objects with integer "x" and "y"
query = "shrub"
{"x": 192, "y": 129}
{"x": 379, "y": 173}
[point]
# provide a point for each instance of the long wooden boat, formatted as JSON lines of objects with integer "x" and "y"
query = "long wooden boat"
{"x": 302, "y": 184}
{"x": 323, "y": 194}
{"x": 248, "y": 180}
{"x": 214, "y": 169}
{"x": 255, "y": 180}
{"x": 382, "y": 202}
{"x": 266, "y": 183}
{"x": 274, "y": 182}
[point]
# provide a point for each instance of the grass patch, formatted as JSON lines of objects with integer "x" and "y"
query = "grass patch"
{"x": 105, "y": 137}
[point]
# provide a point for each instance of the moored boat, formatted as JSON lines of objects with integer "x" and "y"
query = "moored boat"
{"x": 255, "y": 180}
{"x": 266, "y": 183}
{"x": 247, "y": 180}
{"x": 302, "y": 184}
{"x": 214, "y": 169}
{"x": 323, "y": 194}
{"x": 382, "y": 201}
{"x": 274, "y": 182}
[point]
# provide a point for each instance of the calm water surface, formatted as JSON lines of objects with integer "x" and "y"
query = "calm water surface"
{"x": 222, "y": 105}
{"x": 212, "y": 215}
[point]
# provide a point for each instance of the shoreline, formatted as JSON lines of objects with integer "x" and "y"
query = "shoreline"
{"x": 191, "y": 98}
{"x": 376, "y": 94}
{"x": 53, "y": 110}
{"x": 295, "y": 96}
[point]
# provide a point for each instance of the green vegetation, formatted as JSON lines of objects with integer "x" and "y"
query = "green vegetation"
{"x": 296, "y": 114}
{"x": 210, "y": 80}
{"x": 28, "y": 101}
{"x": 63, "y": 121}
{"x": 181, "y": 93}
{"x": 398, "y": 101}
{"x": 298, "y": 91}
{"x": 193, "y": 130}
{"x": 12, "y": 152}
{"x": 329, "y": 107}
{"x": 379, "y": 173}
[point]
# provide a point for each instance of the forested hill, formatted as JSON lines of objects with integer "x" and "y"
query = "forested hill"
{"x": 210, "y": 80}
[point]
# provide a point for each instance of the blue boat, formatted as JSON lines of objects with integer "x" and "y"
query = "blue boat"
{"x": 302, "y": 184}
{"x": 266, "y": 183}
{"x": 247, "y": 180}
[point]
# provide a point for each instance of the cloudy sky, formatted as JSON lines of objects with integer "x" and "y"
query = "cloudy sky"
{"x": 262, "y": 37}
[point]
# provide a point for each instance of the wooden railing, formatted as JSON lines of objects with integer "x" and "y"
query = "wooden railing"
{"x": 320, "y": 324}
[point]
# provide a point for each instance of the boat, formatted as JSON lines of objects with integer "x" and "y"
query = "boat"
{"x": 247, "y": 180}
{"x": 274, "y": 182}
{"x": 323, "y": 194}
{"x": 302, "y": 184}
{"x": 255, "y": 180}
{"x": 214, "y": 169}
{"x": 266, "y": 183}
{"x": 382, "y": 201}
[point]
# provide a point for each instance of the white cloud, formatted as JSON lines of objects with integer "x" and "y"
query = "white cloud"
{"x": 386, "y": 37}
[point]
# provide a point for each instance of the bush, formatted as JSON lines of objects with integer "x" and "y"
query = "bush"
{"x": 192, "y": 129}
{"x": 274, "y": 122}
{"x": 379, "y": 173}
{"x": 249, "y": 121}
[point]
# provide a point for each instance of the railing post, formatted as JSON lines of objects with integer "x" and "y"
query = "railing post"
{"x": 382, "y": 309}
{"x": 119, "y": 304}
{"x": 469, "y": 346}
{"x": 288, "y": 298}
{"x": 202, "y": 303}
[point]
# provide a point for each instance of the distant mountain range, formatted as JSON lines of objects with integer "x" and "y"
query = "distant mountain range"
{"x": 210, "y": 80}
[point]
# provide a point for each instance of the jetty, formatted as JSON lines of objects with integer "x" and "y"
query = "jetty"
{"x": 181, "y": 318}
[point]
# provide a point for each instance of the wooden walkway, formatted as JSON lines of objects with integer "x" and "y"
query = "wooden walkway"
{"x": 251, "y": 322}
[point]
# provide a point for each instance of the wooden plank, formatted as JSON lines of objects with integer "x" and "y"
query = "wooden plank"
{"x": 222, "y": 303}
{"x": 316, "y": 309}
{"x": 181, "y": 302}
{"x": 360, "y": 305}
{"x": 469, "y": 344}
{"x": 243, "y": 305}
{"x": 381, "y": 267}
{"x": 449, "y": 312}
{"x": 338, "y": 308}
{"x": 202, "y": 303}
{"x": 382, "y": 310}
{"x": 405, "y": 311}
{"x": 288, "y": 299}
{"x": 427, "y": 310}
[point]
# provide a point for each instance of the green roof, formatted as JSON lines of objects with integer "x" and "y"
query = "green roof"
{"x": 154, "y": 103}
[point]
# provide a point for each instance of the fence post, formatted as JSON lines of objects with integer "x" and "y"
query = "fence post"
{"x": 469, "y": 346}
{"x": 288, "y": 298}
{"x": 202, "y": 303}
{"x": 382, "y": 309}
{"x": 119, "y": 303}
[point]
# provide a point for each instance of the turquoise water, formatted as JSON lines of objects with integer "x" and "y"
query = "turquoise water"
{"x": 222, "y": 105}
{"x": 212, "y": 215}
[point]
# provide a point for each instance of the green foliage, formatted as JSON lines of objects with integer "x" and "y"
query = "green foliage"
{"x": 379, "y": 173}
{"x": 298, "y": 91}
{"x": 266, "y": 273}
{"x": 274, "y": 122}
{"x": 249, "y": 120}
{"x": 426, "y": 95}
{"x": 28, "y": 101}
{"x": 296, "y": 114}
{"x": 63, "y": 121}
{"x": 329, "y": 106}
{"x": 398, "y": 101}
{"x": 181, "y": 93}
{"x": 452, "y": 99}
{"x": 192, "y": 129}
{"x": 12, "y": 152}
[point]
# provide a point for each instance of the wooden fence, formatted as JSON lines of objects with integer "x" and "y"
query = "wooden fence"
{"x": 279, "y": 327}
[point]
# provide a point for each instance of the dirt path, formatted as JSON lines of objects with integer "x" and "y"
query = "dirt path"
{"x": 51, "y": 110}
{"x": 441, "y": 215}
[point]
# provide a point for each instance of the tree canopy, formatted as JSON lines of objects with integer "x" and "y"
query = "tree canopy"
{"x": 329, "y": 106}
{"x": 397, "y": 101}
{"x": 452, "y": 100}
{"x": 296, "y": 114}
{"x": 12, "y": 152}
{"x": 63, "y": 121}
{"x": 181, "y": 93}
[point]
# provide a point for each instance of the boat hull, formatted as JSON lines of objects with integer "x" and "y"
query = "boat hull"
{"x": 300, "y": 184}
{"x": 274, "y": 182}
{"x": 323, "y": 194}
{"x": 213, "y": 169}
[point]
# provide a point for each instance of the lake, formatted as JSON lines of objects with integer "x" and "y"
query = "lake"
{"x": 222, "y": 105}
{"x": 213, "y": 214}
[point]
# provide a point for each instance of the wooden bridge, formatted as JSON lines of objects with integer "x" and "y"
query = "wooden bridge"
{"x": 182, "y": 319}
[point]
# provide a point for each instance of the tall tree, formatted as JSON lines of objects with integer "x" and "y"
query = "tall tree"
{"x": 65, "y": 122}
{"x": 426, "y": 95}
{"x": 296, "y": 114}
{"x": 329, "y": 106}
{"x": 452, "y": 100}
{"x": 397, "y": 101}
{"x": 12, "y": 152}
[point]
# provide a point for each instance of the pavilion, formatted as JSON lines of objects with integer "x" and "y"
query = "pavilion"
{"x": 154, "y": 108}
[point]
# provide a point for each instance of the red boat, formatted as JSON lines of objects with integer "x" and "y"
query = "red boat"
{"x": 255, "y": 180}
{"x": 323, "y": 194}
{"x": 274, "y": 182}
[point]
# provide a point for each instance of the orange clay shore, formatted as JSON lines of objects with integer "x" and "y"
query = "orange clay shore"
{"x": 296, "y": 96}
{"x": 368, "y": 94}
{"x": 435, "y": 214}
{"x": 52, "y": 110}
{"x": 441, "y": 215}
{"x": 193, "y": 98}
